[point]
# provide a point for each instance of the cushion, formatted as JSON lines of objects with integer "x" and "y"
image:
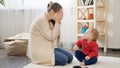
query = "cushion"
{"x": 16, "y": 45}
{"x": 16, "y": 48}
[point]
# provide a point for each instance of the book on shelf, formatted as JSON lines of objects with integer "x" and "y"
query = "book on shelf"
{"x": 91, "y": 2}
{"x": 83, "y": 2}
{"x": 87, "y": 2}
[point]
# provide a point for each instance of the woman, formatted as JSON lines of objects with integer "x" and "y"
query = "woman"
{"x": 43, "y": 33}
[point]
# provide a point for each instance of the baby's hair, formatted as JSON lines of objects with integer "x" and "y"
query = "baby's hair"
{"x": 95, "y": 33}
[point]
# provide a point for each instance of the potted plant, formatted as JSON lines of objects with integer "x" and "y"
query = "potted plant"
{"x": 2, "y": 2}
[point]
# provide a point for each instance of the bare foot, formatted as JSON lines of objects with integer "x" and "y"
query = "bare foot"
{"x": 82, "y": 64}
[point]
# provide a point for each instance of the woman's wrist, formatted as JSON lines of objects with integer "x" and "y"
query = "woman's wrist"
{"x": 58, "y": 22}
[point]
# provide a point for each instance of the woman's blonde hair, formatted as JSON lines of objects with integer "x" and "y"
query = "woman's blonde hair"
{"x": 53, "y": 6}
{"x": 95, "y": 33}
{"x": 50, "y": 4}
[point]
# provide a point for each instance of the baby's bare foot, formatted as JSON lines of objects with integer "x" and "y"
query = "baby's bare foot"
{"x": 82, "y": 64}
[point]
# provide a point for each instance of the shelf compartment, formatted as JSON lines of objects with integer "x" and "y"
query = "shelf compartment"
{"x": 100, "y": 14}
{"x": 100, "y": 26}
{"x": 83, "y": 13}
{"x": 80, "y": 25}
{"x": 100, "y": 3}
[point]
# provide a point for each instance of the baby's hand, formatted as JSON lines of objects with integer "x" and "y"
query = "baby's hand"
{"x": 75, "y": 48}
{"x": 87, "y": 57}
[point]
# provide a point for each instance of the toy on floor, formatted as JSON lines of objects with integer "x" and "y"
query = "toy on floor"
{"x": 76, "y": 66}
{"x": 79, "y": 66}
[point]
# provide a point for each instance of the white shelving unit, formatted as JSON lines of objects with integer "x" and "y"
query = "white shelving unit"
{"x": 98, "y": 10}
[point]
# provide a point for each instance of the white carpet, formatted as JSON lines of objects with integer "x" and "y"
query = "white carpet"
{"x": 103, "y": 62}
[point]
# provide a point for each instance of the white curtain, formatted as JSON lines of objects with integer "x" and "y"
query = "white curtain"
{"x": 14, "y": 20}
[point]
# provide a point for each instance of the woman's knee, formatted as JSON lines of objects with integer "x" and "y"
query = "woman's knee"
{"x": 69, "y": 55}
{"x": 63, "y": 60}
{"x": 60, "y": 59}
{"x": 70, "y": 58}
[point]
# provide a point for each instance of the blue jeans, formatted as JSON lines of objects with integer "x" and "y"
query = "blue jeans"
{"x": 62, "y": 57}
{"x": 81, "y": 57}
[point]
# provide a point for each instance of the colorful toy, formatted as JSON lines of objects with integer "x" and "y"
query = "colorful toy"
{"x": 91, "y": 16}
{"x": 84, "y": 28}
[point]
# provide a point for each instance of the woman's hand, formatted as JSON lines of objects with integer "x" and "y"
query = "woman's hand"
{"x": 58, "y": 16}
{"x": 75, "y": 48}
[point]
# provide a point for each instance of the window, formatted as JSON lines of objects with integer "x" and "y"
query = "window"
{"x": 43, "y": 3}
{"x": 36, "y": 3}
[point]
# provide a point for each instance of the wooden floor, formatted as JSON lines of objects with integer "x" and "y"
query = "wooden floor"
{"x": 12, "y": 61}
{"x": 19, "y": 62}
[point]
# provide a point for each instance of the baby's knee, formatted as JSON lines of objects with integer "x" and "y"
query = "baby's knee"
{"x": 78, "y": 52}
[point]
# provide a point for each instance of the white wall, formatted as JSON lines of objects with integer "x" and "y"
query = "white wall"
{"x": 113, "y": 23}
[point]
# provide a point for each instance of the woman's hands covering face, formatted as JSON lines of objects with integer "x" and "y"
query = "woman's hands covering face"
{"x": 58, "y": 16}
